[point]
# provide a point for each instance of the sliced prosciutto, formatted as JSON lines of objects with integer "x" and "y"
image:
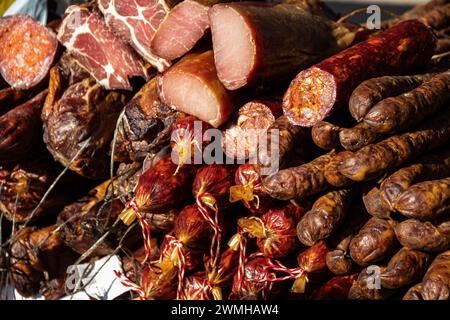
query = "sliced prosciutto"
{"x": 258, "y": 43}
{"x": 95, "y": 47}
{"x": 136, "y": 21}
{"x": 191, "y": 86}
{"x": 183, "y": 27}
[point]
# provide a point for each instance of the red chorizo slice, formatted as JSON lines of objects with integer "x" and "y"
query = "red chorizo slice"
{"x": 316, "y": 92}
{"x": 27, "y": 51}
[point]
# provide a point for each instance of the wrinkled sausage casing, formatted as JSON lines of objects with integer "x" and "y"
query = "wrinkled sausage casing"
{"x": 374, "y": 160}
{"x": 425, "y": 200}
{"x": 426, "y": 236}
{"x": 436, "y": 282}
{"x": 370, "y": 92}
{"x": 325, "y": 217}
{"x": 406, "y": 110}
{"x": 375, "y": 241}
{"x": 299, "y": 181}
{"x": 316, "y": 92}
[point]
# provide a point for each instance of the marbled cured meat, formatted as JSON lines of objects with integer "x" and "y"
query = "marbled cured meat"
{"x": 107, "y": 58}
{"x": 183, "y": 27}
{"x": 136, "y": 22}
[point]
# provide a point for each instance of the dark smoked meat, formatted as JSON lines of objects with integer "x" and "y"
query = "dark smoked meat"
{"x": 81, "y": 117}
{"x": 38, "y": 255}
{"x": 145, "y": 126}
{"x": 21, "y": 130}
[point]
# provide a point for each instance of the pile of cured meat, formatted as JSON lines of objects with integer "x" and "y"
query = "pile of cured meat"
{"x": 96, "y": 107}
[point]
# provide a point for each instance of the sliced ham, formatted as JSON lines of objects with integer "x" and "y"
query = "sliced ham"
{"x": 136, "y": 22}
{"x": 192, "y": 86}
{"x": 183, "y": 27}
{"x": 257, "y": 43}
{"x": 95, "y": 47}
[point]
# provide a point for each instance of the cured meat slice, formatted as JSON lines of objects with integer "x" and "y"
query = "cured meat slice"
{"x": 27, "y": 51}
{"x": 136, "y": 22}
{"x": 183, "y": 27}
{"x": 107, "y": 58}
{"x": 255, "y": 42}
{"x": 192, "y": 86}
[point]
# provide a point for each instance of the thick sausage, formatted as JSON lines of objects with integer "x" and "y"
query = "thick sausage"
{"x": 372, "y": 91}
{"x": 374, "y": 160}
{"x": 426, "y": 236}
{"x": 300, "y": 181}
{"x": 376, "y": 204}
{"x": 326, "y": 135}
{"x": 425, "y": 200}
{"x": 325, "y": 217}
{"x": 405, "y": 267}
{"x": 358, "y": 137}
{"x": 332, "y": 174}
{"x": 406, "y": 110}
{"x": 316, "y": 92}
{"x": 251, "y": 39}
{"x": 375, "y": 241}
{"x": 430, "y": 167}
{"x": 436, "y": 282}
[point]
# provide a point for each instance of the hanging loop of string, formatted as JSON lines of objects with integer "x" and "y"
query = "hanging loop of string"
{"x": 205, "y": 198}
{"x": 177, "y": 255}
{"x": 130, "y": 284}
{"x": 242, "y": 258}
{"x": 145, "y": 228}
